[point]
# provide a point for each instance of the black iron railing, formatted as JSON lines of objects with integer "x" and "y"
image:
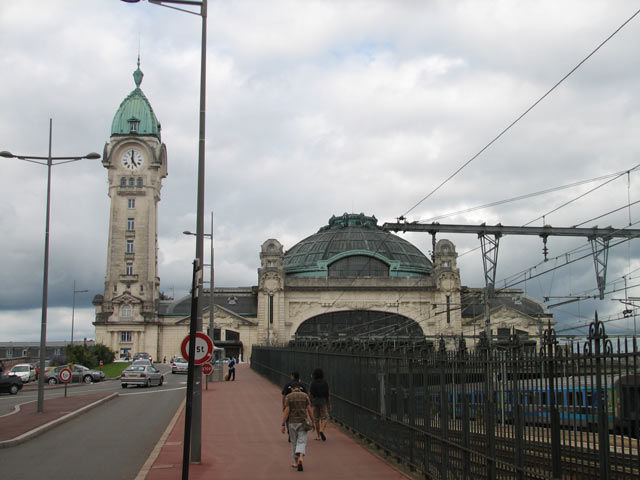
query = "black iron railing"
{"x": 500, "y": 411}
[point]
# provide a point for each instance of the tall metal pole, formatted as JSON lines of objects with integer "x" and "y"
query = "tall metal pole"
{"x": 45, "y": 282}
{"x": 196, "y": 432}
{"x": 73, "y": 310}
{"x": 73, "y": 307}
{"x": 211, "y": 305}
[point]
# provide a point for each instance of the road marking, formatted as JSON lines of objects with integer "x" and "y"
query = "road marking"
{"x": 142, "y": 474}
{"x": 16, "y": 408}
{"x": 152, "y": 391}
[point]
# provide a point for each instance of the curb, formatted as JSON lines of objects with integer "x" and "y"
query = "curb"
{"x": 53, "y": 423}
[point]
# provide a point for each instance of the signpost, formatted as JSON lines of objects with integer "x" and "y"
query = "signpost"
{"x": 65, "y": 377}
{"x": 203, "y": 350}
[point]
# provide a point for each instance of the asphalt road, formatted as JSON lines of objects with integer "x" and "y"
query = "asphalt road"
{"x": 110, "y": 442}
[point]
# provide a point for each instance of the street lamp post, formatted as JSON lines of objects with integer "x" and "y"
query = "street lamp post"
{"x": 211, "y": 284}
{"x": 49, "y": 162}
{"x": 193, "y": 428}
{"x": 73, "y": 307}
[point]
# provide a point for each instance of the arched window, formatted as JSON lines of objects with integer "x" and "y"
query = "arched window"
{"x": 123, "y": 182}
{"x": 132, "y": 182}
{"x": 139, "y": 181}
{"x": 358, "y": 266}
{"x": 126, "y": 310}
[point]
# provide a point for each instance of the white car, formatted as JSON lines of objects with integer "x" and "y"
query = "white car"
{"x": 25, "y": 371}
{"x": 179, "y": 365}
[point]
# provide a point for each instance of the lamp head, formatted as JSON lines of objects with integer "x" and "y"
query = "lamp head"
{"x": 187, "y": 232}
{"x": 131, "y": 1}
{"x": 92, "y": 155}
{"x": 6, "y": 154}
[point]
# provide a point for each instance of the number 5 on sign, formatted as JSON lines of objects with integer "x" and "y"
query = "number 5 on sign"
{"x": 204, "y": 349}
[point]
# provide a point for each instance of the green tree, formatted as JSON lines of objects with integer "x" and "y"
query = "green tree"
{"x": 82, "y": 355}
{"x": 104, "y": 353}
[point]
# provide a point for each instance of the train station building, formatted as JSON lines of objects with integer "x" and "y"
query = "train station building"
{"x": 349, "y": 280}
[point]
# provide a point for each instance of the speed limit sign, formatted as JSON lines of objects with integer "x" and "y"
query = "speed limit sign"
{"x": 65, "y": 375}
{"x": 204, "y": 348}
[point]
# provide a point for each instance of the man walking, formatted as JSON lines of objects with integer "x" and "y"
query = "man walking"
{"x": 297, "y": 407}
{"x": 232, "y": 369}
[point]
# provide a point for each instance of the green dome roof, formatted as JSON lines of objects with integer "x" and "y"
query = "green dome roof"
{"x": 353, "y": 235}
{"x": 135, "y": 115}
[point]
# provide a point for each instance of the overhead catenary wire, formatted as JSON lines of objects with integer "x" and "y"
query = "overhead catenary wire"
{"x": 505, "y": 130}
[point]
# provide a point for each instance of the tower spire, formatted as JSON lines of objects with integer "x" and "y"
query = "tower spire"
{"x": 137, "y": 75}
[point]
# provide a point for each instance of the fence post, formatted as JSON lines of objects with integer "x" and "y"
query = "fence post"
{"x": 518, "y": 420}
{"x": 549, "y": 343}
{"x": 444, "y": 417}
{"x": 598, "y": 338}
{"x": 489, "y": 410}
{"x": 466, "y": 439}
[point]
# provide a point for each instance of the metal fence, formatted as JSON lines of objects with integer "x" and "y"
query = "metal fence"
{"x": 500, "y": 411}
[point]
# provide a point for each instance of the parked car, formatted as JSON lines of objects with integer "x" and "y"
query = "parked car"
{"x": 47, "y": 366}
{"x": 79, "y": 373}
{"x": 145, "y": 355}
{"x": 10, "y": 384}
{"x": 25, "y": 371}
{"x": 142, "y": 375}
{"x": 179, "y": 365}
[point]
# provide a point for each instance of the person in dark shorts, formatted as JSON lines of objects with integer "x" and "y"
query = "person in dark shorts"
{"x": 297, "y": 407}
{"x": 321, "y": 402}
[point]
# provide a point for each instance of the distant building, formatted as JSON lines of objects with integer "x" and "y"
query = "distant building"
{"x": 31, "y": 350}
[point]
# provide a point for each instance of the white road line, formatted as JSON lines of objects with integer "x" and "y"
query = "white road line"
{"x": 146, "y": 392}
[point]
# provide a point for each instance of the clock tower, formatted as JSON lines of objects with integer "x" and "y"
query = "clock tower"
{"x": 136, "y": 162}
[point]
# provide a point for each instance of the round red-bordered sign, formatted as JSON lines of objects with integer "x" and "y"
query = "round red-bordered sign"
{"x": 65, "y": 375}
{"x": 204, "y": 348}
{"x": 207, "y": 368}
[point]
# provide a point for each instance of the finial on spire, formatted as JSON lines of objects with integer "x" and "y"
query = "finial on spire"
{"x": 137, "y": 75}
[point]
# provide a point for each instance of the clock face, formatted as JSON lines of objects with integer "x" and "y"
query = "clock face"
{"x": 132, "y": 159}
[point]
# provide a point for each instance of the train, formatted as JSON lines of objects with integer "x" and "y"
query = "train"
{"x": 576, "y": 399}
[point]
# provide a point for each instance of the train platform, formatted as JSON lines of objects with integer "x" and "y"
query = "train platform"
{"x": 242, "y": 439}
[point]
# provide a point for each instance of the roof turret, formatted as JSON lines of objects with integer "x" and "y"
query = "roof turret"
{"x": 135, "y": 115}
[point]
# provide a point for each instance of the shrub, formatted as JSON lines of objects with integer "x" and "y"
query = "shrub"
{"x": 104, "y": 353}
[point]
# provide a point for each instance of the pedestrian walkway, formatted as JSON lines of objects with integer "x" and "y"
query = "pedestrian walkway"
{"x": 242, "y": 440}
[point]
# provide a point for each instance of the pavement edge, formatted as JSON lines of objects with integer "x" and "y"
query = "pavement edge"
{"x": 144, "y": 471}
{"x": 53, "y": 423}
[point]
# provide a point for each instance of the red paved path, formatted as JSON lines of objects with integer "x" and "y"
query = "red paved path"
{"x": 241, "y": 440}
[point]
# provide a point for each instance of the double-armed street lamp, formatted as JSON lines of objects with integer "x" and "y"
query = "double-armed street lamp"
{"x": 73, "y": 308}
{"x": 49, "y": 161}
{"x": 193, "y": 428}
{"x": 211, "y": 279}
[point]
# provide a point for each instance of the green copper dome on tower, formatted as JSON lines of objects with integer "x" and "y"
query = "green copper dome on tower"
{"x": 135, "y": 115}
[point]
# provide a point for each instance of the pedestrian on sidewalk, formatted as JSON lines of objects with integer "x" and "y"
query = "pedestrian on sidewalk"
{"x": 321, "y": 402}
{"x": 232, "y": 369}
{"x": 286, "y": 390}
{"x": 297, "y": 407}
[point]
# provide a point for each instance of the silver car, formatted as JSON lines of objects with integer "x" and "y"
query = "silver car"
{"x": 142, "y": 375}
{"x": 179, "y": 365}
{"x": 79, "y": 373}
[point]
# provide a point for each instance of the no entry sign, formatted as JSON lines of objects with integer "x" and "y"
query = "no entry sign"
{"x": 207, "y": 368}
{"x": 204, "y": 349}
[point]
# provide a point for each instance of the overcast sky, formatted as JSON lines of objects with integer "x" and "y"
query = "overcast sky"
{"x": 315, "y": 109}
